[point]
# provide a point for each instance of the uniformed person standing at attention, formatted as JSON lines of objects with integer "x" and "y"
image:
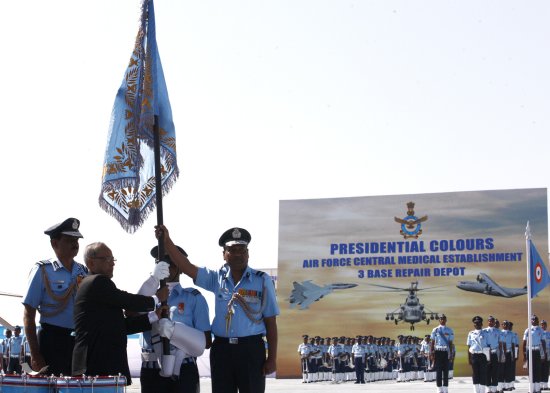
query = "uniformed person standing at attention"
{"x": 52, "y": 290}
{"x": 476, "y": 341}
{"x": 190, "y": 327}
{"x": 515, "y": 355}
{"x": 509, "y": 350}
{"x": 493, "y": 365}
{"x": 15, "y": 354}
{"x": 245, "y": 311}
{"x": 4, "y": 347}
{"x": 358, "y": 351}
{"x": 304, "y": 349}
{"x": 442, "y": 342}
{"x": 538, "y": 347}
{"x": 546, "y": 360}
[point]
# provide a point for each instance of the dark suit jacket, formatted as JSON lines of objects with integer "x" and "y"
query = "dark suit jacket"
{"x": 101, "y": 328}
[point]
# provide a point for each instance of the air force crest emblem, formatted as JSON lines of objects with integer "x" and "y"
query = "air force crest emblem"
{"x": 411, "y": 226}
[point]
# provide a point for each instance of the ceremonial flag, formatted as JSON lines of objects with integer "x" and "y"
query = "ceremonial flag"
{"x": 128, "y": 184}
{"x": 539, "y": 273}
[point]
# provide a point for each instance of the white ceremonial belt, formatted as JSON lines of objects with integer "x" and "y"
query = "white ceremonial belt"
{"x": 477, "y": 352}
{"x": 441, "y": 348}
{"x": 535, "y": 348}
{"x": 493, "y": 351}
{"x": 149, "y": 357}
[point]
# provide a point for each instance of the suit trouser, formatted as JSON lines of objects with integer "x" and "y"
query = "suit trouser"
{"x": 479, "y": 369}
{"x": 238, "y": 366}
{"x": 441, "y": 360}
{"x": 56, "y": 346}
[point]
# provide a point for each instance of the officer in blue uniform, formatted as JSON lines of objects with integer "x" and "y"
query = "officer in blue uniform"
{"x": 358, "y": 351}
{"x": 538, "y": 350}
{"x": 246, "y": 311}
{"x": 509, "y": 350}
{"x": 14, "y": 351}
{"x": 546, "y": 360}
{"x": 4, "y": 347}
{"x": 187, "y": 306}
{"x": 304, "y": 349}
{"x": 442, "y": 344}
{"x": 51, "y": 292}
{"x": 493, "y": 365}
{"x": 478, "y": 340}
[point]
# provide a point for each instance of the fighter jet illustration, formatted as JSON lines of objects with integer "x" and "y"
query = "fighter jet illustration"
{"x": 306, "y": 292}
{"x": 487, "y": 286}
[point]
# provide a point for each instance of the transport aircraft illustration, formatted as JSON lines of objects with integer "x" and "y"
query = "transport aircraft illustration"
{"x": 306, "y": 292}
{"x": 412, "y": 311}
{"x": 487, "y": 286}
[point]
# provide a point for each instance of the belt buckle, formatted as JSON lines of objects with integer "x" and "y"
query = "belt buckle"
{"x": 233, "y": 340}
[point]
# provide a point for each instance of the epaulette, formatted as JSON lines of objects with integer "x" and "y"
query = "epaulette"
{"x": 44, "y": 262}
{"x": 195, "y": 291}
{"x": 259, "y": 273}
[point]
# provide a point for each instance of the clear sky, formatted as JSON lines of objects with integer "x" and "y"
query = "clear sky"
{"x": 272, "y": 100}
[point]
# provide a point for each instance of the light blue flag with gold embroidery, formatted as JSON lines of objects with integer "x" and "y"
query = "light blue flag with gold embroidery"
{"x": 128, "y": 184}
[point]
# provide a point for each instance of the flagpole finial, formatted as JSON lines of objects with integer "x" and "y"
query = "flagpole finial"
{"x": 528, "y": 231}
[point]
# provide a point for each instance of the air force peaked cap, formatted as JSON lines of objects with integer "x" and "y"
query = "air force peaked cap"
{"x": 155, "y": 252}
{"x": 476, "y": 319}
{"x": 68, "y": 227}
{"x": 234, "y": 236}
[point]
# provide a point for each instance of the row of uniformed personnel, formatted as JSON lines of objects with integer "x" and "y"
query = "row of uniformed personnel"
{"x": 365, "y": 359}
{"x": 79, "y": 305}
{"x": 14, "y": 350}
{"x": 494, "y": 350}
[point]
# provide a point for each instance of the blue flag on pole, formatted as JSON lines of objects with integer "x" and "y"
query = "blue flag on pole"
{"x": 128, "y": 183}
{"x": 539, "y": 273}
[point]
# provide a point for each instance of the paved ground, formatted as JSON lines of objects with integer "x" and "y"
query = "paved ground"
{"x": 460, "y": 384}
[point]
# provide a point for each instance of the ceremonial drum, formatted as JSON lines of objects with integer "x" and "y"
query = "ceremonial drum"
{"x": 91, "y": 384}
{"x": 26, "y": 384}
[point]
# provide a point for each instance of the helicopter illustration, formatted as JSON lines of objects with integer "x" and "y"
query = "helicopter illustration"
{"x": 412, "y": 311}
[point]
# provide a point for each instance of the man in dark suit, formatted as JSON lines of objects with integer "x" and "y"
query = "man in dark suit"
{"x": 100, "y": 325}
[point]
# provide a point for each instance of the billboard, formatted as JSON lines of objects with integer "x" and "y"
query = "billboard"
{"x": 389, "y": 265}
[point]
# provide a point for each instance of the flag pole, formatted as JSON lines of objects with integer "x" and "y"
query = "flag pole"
{"x": 529, "y": 291}
{"x": 160, "y": 220}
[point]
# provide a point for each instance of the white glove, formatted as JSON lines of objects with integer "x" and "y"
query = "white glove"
{"x": 166, "y": 328}
{"x": 161, "y": 271}
{"x": 167, "y": 365}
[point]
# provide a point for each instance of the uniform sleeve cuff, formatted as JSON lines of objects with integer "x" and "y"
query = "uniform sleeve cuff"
{"x": 153, "y": 317}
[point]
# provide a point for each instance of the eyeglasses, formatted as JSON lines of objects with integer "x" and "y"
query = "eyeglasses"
{"x": 107, "y": 259}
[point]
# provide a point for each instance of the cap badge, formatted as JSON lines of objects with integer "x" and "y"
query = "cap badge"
{"x": 236, "y": 234}
{"x": 75, "y": 224}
